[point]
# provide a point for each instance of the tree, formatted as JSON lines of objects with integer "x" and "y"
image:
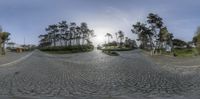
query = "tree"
{"x": 1, "y": 29}
{"x": 145, "y": 35}
{"x": 52, "y": 31}
{"x": 109, "y": 36}
{"x": 4, "y": 37}
{"x": 121, "y": 37}
{"x": 165, "y": 38}
{"x": 72, "y": 30}
{"x": 84, "y": 32}
{"x": 63, "y": 28}
{"x": 198, "y": 43}
{"x": 70, "y": 34}
{"x": 45, "y": 40}
{"x": 78, "y": 35}
{"x": 116, "y": 36}
{"x": 153, "y": 35}
{"x": 179, "y": 43}
{"x": 90, "y": 34}
{"x": 156, "y": 25}
{"x": 170, "y": 41}
{"x": 195, "y": 38}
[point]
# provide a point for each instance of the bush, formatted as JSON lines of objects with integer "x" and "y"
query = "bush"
{"x": 185, "y": 52}
{"x": 117, "y": 49}
{"x": 111, "y": 53}
{"x": 80, "y": 48}
{"x": 198, "y": 49}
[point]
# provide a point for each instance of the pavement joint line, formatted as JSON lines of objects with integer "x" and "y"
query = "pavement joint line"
{"x": 17, "y": 61}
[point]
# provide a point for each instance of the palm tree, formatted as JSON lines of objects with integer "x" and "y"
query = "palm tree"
{"x": 109, "y": 36}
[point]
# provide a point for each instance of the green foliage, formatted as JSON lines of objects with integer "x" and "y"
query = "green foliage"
{"x": 198, "y": 43}
{"x": 144, "y": 34}
{"x": 196, "y": 40}
{"x": 179, "y": 43}
{"x": 186, "y": 52}
{"x": 109, "y": 36}
{"x": 151, "y": 32}
{"x": 4, "y": 36}
{"x": 67, "y": 34}
{"x": 70, "y": 49}
{"x": 112, "y": 48}
{"x": 111, "y": 53}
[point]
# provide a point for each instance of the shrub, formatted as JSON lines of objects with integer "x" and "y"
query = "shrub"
{"x": 117, "y": 49}
{"x": 198, "y": 49}
{"x": 111, "y": 53}
{"x": 79, "y": 48}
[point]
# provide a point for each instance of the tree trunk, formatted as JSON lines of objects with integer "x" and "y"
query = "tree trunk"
{"x": 61, "y": 43}
{"x": 54, "y": 42}
{"x": 83, "y": 41}
{"x": 3, "y": 49}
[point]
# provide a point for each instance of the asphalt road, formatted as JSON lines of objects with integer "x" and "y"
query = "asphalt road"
{"x": 95, "y": 74}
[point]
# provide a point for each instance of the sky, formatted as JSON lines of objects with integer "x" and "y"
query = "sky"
{"x": 27, "y": 19}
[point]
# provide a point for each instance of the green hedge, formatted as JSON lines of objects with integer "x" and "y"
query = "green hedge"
{"x": 117, "y": 49}
{"x": 81, "y": 48}
{"x": 111, "y": 53}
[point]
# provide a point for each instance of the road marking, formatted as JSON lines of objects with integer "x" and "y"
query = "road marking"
{"x": 17, "y": 61}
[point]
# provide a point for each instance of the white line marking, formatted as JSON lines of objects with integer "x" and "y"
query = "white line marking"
{"x": 17, "y": 61}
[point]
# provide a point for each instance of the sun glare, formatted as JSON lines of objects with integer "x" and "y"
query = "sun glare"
{"x": 100, "y": 35}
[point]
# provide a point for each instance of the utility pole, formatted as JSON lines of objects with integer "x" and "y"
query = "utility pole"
{"x": 24, "y": 41}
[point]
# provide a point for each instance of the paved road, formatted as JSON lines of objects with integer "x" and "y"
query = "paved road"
{"x": 12, "y": 56}
{"x": 94, "y": 74}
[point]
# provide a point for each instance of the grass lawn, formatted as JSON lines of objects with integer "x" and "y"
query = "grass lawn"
{"x": 187, "y": 52}
{"x": 177, "y": 52}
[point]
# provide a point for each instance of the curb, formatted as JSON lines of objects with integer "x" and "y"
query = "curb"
{"x": 18, "y": 60}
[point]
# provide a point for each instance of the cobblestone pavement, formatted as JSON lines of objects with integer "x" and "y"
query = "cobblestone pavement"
{"x": 183, "y": 65}
{"x": 12, "y": 56}
{"x": 94, "y": 74}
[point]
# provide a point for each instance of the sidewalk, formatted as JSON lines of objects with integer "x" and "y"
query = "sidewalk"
{"x": 12, "y": 56}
